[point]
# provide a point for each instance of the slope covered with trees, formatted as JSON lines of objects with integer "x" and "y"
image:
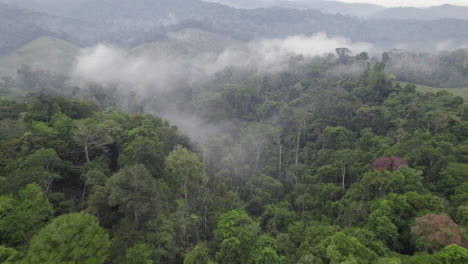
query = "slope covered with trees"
{"x": 132, "y": 23}
{"x": 317, "y": 166}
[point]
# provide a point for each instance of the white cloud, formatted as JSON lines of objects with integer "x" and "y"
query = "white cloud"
{"x": 106, "y": 64}
{"x": 153, "y": 73}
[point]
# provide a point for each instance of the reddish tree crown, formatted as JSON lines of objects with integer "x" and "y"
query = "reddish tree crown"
{"x": 437, "y": 231}
{"x": 388, "y": 163}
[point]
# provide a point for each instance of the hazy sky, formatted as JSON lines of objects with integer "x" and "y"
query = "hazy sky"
{"x": 414, "y": 3}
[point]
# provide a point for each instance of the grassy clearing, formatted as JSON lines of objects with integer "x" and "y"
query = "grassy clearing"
{"x": 462, "y": 91}
{"x": 47, "y": 53}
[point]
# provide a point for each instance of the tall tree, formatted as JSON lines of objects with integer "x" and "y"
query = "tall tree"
{"x": 68, "y": 239}
{"x": 255, "y": 136}
{"x": 184, "y": 170}
{"x": 21, "y": 217}
{"x": 134, "y": 191}
{"x": 43, "y": 164}
{"x": 433, "y": 232}
{"x": 89, "y": 135}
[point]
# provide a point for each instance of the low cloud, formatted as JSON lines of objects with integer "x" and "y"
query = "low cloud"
{"x": 156, "y": 70}
{"x": 162, "y": 70}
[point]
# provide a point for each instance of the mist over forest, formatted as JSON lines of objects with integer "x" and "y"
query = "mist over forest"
{"x": 232, "y": 131}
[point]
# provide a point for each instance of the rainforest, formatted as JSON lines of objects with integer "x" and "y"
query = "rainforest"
{"x": 205, "y": 138}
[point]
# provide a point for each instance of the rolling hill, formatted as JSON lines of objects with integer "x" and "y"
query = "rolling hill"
{"x": 44, "y": 53}
{"x": 430, "y": 13}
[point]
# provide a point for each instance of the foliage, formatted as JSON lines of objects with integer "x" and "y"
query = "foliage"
{"x": 198, "y": 255}
{"x": 139, "y": 254}
{"x": 71, "y": 238}
{"x": 453, "y": 254}
{"x": 304, "y": 165}
{"x": 437, "y": 231}
{"x": 134, "y": 191}
{"x": 21, "y": 217}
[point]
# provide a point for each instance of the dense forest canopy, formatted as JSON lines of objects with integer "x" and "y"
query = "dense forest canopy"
{"x": 303, "y": 165}
{"x": 188, "y": 131}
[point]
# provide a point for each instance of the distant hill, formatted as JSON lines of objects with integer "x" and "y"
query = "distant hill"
{"x": 111, "y": 10}
{"x": 431, "y": 13}
{"x": 19, "y": 26}
{"x": 331, "y": 7}
{"x": 186, "y": 42}
{"x": 57, "y": 55}
{"x": 194, "y": 25}
{"x": 44, "y": 53}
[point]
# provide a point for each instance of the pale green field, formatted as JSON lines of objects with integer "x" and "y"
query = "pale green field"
{"x": 46, "y": 53}
{"x": 462, "y": 91}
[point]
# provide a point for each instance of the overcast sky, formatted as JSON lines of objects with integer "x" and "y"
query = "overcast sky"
{"x": 414, "y": 3}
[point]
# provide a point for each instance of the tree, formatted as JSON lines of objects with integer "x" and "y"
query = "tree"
{"x": 276, "y": 135}
{"x": 63, "y": 125}
{"x": 453, "y": 254}
{"x": 310, "y": 259}
{"x": 338, "y": 138}
{"x": 229, "y": 252}
{"x": 238, "y": 234}
{"x": 42, "y": 165}
{"x": 343, "y": 55}
{"x": 146, "y": 151}
{"x": 344, "y": 157}
{"x": 9, "y": 255}
{"x": 139, "y": 254}
{"x": 198, "y": 255}
{"x": 42, "y": 108}
{"x": 433, "y": 232}
{"x": 71, "y": 238}
{"x": 388, "y": 163}
{"x": 134, "y": 191}
{"x": 229, "y": 223}
{"x": 89, "y": 135}
{"x": 184, "y": 170}
{"x": 405, "y": 179}
{"x": 267, "y": 256}
{"x": 345, "y": 249}
{"x": 381, "y": 224}
{"x": 452, "y": 176}
{"x": 21, "y": 217}
{"x": 256, "y": 136}
{"x": 92, "y": 177}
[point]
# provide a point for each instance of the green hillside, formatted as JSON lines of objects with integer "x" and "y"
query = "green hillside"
{"x": 461, "y": 91}
{"x": 43, "y": 53}
{"x": 186, "y": 42}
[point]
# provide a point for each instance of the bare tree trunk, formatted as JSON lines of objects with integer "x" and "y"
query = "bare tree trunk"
{"x": 47, "y": 184}
{"x": 297, "y": 144}
{"x": 86, "y": 151}
{"x": 84, "y": 192}
{"x": 185, "y": 188}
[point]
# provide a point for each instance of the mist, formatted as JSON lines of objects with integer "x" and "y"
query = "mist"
{"x": 160, "y": 72}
